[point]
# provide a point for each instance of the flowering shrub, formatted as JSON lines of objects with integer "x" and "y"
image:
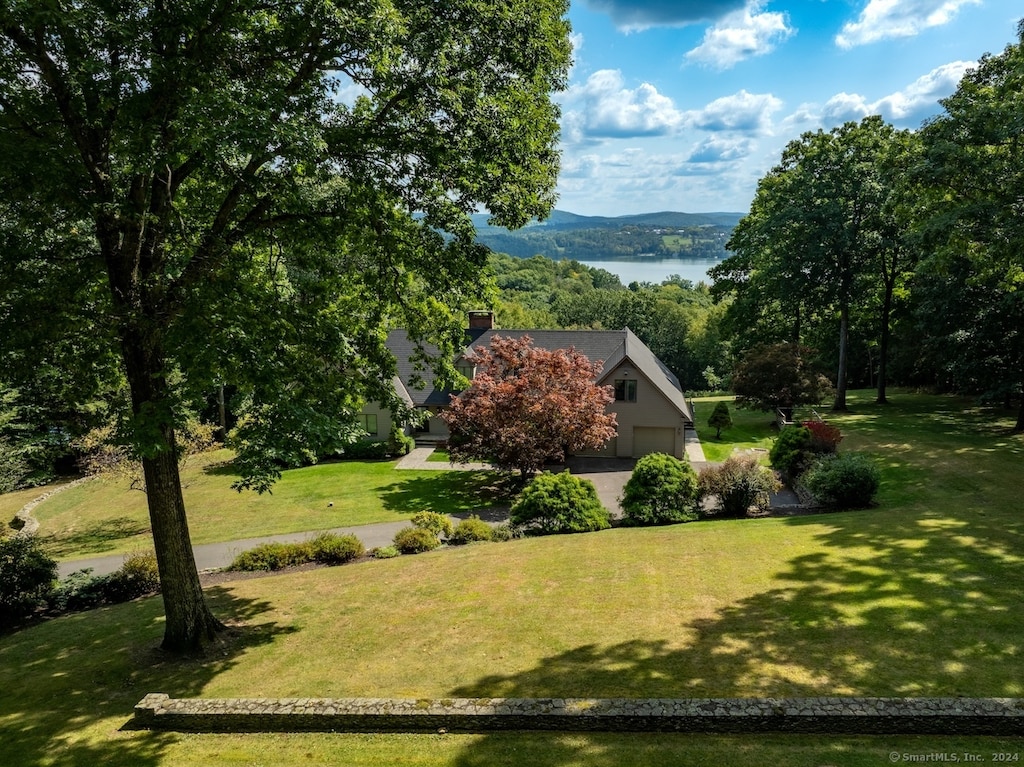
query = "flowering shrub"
{"x": 825, "y": 437}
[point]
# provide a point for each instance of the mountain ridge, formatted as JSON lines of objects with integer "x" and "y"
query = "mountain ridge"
{"x": 566, "y": 221}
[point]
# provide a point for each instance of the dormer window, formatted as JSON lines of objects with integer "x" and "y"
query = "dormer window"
{"x": 625, "y": 390}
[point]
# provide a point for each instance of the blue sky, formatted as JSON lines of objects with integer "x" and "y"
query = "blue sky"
{"x": 684, "y": 105}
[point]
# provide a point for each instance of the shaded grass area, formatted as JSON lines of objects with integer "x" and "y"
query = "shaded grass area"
{"x": 107, "y": 517}
{"x": 919, "y": 596}
{"x": 750, "y": 429}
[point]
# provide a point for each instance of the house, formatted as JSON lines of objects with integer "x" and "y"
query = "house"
{"x": 650, "y": 408}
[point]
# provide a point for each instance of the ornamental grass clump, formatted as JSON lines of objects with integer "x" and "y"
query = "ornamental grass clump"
{"x": 662, "y": 490}
{"x": 559, "y": 503}
{"x": 737, "y": 487}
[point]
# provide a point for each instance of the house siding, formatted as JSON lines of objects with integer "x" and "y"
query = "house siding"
{"x": 651, "y": 409}
{"x": 384, "y": 419}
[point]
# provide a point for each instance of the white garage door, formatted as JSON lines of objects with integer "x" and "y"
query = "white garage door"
{"x": 653, "y": 439}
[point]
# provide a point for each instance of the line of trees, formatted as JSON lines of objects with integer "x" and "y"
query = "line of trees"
{"x": 912, "y": 243}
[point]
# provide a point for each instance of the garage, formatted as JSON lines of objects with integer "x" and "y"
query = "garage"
{"x": 653, "y": 439}
{"x": 608, "y": 451}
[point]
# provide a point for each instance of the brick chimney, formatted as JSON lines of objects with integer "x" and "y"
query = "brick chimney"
{"x": 481, "y": 320}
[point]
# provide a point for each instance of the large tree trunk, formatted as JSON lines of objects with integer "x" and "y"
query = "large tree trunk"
{"x": 883, "y": 344}
{"x": 1019, "y": 426}
{"x": 844, "y": 344}
{"x": 189, "y": 622}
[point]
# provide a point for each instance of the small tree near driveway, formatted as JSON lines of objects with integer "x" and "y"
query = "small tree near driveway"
{"x": 527, "y": 406}
{"x": 720, "y": 419}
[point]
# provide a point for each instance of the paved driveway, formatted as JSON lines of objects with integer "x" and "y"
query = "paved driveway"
{"x": 609, "y": 476}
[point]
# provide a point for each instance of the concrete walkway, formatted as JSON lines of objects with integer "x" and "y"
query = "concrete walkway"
{"x": 417, "y": 459}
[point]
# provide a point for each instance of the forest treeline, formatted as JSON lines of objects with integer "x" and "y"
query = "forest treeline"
{"x": 623, "y": 242}
{"x": 887, "y": 257}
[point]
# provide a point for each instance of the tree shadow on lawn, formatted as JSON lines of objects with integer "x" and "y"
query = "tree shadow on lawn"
{"x": 63, "y": 678}
{"x": 97, "y": 537}
{"x": 458, "y": 493}
{"x": 889, "y": 605}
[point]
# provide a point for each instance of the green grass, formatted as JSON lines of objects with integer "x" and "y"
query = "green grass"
{"x": 751, "y": 429}
{"x": 918, "y": 597}
{"x": 107, "y": 517}
{"x": 439, "y": 456}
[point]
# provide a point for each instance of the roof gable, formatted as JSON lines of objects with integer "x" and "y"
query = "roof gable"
{"x": 609, "y": 348}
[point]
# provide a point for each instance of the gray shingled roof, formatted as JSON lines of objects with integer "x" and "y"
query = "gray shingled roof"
{"x": 609, "y": 347}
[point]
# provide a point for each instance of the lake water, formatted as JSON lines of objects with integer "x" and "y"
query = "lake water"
{"x": 693, "y": 269}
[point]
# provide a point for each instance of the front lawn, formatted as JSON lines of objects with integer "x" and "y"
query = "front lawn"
{"x": 107, "y": 517}
{"x": 916, "y": 597}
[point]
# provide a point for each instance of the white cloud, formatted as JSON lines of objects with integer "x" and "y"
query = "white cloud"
{"x": 919, "y": 99}
{"x": 715, "y": 149}
{"x": 740, "y": 36}
{"x": 642, "y": 179}
{"x": 909, "y": 106}
{"x": 632, "y": 15}
{"x": 885, "y": 19}
{"x": 604, "y": 107}
{"x": 743, "y": 112}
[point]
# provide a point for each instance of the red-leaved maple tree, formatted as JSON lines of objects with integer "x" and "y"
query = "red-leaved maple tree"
{"x": 527, "y": 406}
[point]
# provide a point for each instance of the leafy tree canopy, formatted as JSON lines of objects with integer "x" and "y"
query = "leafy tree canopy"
{"x": 527, "y": 406}
{"x": 234, "y": 191}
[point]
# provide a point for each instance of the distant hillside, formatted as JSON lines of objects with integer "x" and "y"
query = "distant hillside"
{"x": 667, "y": 234}
{"x": 561, "y": 219}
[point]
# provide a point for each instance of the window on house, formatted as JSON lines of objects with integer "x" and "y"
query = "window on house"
{"x": 466, "y": 369}
{"x": 625, "y": 390}
{"x": 369, "y": 423}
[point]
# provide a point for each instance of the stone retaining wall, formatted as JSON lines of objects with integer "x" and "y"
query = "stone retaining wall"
{"x": 877, "y": 716}
{"x": 28, "y": 524}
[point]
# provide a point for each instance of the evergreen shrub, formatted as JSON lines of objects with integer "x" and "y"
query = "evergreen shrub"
{"x": 791, "y": 452}
{"x": 439, "y": 524}
{"x": 662, "y": 490}
{"x": 415, "y": 540}
{"x": 470, "y": 530}
{"x": 333, "y": 549}
{"x": 27, "y": 577}
{"x": 559, "y": 503}
{"x": 843, "y": 480}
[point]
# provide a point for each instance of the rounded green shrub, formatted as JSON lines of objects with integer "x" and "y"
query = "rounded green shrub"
{"x": 400, "y": 443}
{"x": 504, "y": 532}
{"x": 80, "y": 590}
{"x": 333, "y": 549}
{"x": 273, "y": 556}
{"x": 470, "y": 530}
{"x": 559, "y": 503}
{"x": 385, "y": 552}
{"x": 415, "y": 540}
{"x": 439, "y": 524}
{"x": 791, "y": 453}
{"x": 27, "y": 577}
{"x": 138, "y": 576}
{"x": 737, "y": 485}
{"x": 662, "y": 490}
{"x": 843, "y": 480}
